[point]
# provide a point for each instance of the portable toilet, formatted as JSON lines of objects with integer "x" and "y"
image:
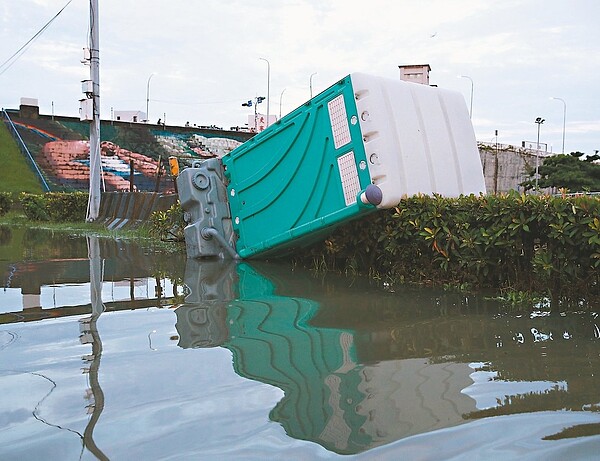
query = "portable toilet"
{"x": 360, "y": 145}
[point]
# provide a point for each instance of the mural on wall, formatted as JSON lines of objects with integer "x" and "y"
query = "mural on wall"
{"x": 61, "y": 149}
{"x": 69, "y": 163}
{"x": 195, "y": 145}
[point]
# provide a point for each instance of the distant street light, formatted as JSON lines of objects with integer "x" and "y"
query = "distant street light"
{"x": 539, "y": 122}
{"x": 472, "y": 87}
{"x": 148, "y": 97}
{"x": 564, "y": 121}
{"x": 268, "y": 87}
{"x": 280, "y": 98}
{"x": 310, "y": 83}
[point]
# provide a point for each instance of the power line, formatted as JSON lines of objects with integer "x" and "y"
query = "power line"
{"x": 10, "y": 61}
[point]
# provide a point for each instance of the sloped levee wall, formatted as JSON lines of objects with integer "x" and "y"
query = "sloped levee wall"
{"x": 60, "y": 147}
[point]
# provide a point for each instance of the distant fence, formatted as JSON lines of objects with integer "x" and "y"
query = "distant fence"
{"x": 25, "y": 151}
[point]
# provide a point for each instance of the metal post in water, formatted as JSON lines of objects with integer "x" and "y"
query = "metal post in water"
{"x": 158, "y": 173}
{"x": 131, "y": 173}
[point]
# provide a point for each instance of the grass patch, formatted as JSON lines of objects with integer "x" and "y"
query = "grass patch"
{"x": 15, "y": 174}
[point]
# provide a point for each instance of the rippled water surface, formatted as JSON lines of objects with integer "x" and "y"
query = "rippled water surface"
{"x": 112, "y": 351}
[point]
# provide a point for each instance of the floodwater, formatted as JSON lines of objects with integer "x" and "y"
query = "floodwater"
{"x": 112, "y": 351}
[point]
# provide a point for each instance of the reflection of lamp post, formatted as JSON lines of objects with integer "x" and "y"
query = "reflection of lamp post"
{"x": 539, "y": 122}
{"x": 148, "y": 97}
{"x": 268, "y": 86}
{"x": 564, "y": 121}
{"x": 471, "y": 105}
{"x": 280, "y": 97}
{"x": 256, "y": 102}
{"x": 310, "y": 83}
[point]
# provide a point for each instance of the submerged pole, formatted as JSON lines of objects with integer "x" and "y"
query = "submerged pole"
{"x": 95, "y": 161}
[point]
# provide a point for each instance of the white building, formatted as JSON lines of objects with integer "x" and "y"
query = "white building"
{"x": 135, "y": 116}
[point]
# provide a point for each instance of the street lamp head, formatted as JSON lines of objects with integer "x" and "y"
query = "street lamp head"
{"x": 540, "y": 120}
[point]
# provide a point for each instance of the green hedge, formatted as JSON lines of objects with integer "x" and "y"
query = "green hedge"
{"x": 6, "y": 202}
{"x": 55, "y": 206}
{"x": 526, "y": 242}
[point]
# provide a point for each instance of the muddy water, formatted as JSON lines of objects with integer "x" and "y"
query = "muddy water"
{"x": 111, "y": 351}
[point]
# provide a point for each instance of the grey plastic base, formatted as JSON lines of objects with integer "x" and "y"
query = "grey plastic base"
{"x": 203, "y": 197}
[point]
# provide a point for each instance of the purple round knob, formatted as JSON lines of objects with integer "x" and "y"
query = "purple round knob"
{"x": 374, "y": 194}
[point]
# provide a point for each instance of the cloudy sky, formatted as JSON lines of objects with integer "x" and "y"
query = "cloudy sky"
{"x": 201, "y": 59}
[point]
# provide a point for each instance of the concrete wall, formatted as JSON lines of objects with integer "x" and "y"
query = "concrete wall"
{"x": 505, "y": 167}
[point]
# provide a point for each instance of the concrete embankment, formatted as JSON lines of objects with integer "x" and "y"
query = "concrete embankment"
{"x": 130, "y": 209}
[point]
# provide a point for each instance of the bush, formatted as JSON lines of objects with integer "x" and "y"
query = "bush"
{"x": 526, "y": 242}
{"x": 55, "y": 206}
{"x": 67, "y": 206}
{"x": 6, "y": 202}
{"x": 34, "y": 206}
{"x": 168, "y": 225}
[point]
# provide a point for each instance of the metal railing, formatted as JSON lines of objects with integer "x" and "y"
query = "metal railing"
{"x": 25, "y": 151}
{"x": 492, "y": 146}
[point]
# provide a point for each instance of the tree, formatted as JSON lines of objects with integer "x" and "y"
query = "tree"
{"x": 573, "y": 172}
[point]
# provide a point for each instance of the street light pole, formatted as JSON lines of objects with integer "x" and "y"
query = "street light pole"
{"x": 310, "y": 83}
{"x": 256, "y": 102}
{"x": 280, "y": 98}
{"x": 496, "y": 165}
{"x": 148, "y": 97}
{"x": 564, "y": 121}
{"x": 539, "y": 122}
{"x": 268, "y": 87}
{"x": 472, "y": 87}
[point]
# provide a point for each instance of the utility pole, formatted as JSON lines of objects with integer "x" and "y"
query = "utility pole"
{"x": 95, "y": 161}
